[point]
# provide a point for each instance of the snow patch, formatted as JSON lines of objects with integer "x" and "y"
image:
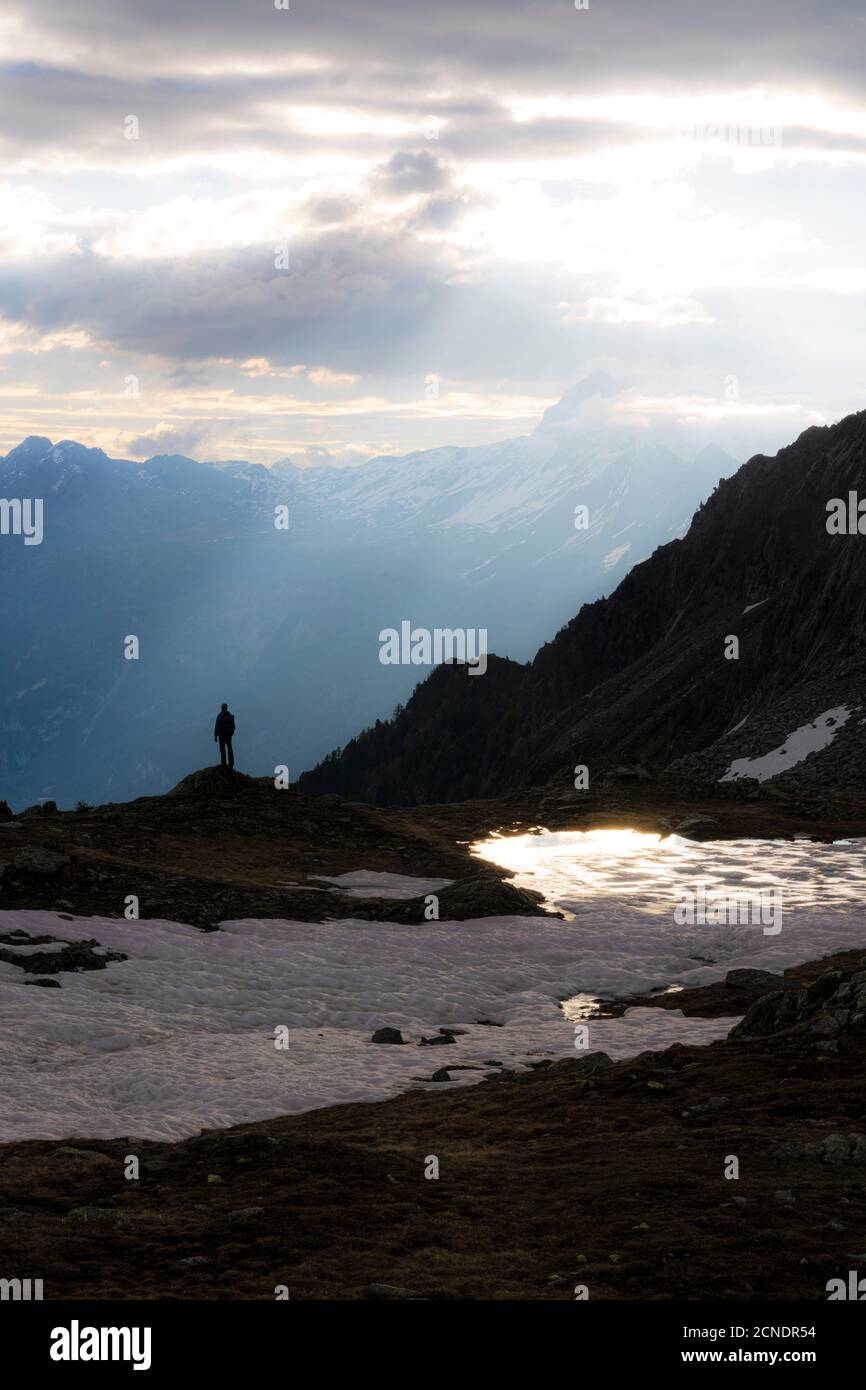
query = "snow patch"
{"x": 613, "y": 556}
{"x": 809, "y": 738}
{"x": 365, "y": 883}
{"x": 181, "y": 1035}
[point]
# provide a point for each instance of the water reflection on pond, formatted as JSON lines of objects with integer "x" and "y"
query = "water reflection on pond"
{"x": 580, "y": 869}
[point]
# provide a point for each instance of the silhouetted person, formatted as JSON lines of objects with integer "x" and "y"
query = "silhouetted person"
{"x": 223, "y": 730}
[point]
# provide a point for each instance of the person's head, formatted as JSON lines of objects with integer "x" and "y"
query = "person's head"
{"x": 223, "y": 708}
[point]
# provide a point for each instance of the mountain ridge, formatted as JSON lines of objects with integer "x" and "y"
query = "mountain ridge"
{"x": 642, "y": 674}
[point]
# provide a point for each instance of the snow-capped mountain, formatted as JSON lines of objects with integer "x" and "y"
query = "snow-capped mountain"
{"x": 284, "y": 623}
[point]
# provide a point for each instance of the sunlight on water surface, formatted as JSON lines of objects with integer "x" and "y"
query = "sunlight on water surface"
{"x": 576, "y": 869}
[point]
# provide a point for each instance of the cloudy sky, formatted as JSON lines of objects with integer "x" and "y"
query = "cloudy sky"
{"x": 353, "y": 227}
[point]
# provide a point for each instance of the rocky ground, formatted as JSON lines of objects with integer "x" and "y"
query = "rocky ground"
{"x": 218, "y": 848}
{"x": 221, "y": 847}
{"x": 579, "y": 1173}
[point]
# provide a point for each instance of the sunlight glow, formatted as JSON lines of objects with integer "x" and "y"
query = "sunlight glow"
{"x": 526, "y": 853}
{"x": 636, "y": 871}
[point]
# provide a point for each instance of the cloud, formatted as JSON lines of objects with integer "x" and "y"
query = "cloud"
{"x": 412, "y": 171}
{"x": 497, "y": 193}
{"x": 166, "y": 439}
{"x": 540, "y": 45}
{"x": 663, "y": 313}
{"x": 317, "y": 456}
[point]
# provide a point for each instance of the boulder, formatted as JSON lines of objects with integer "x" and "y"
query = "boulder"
{"x": 387, "y": 1035}
{"x": 831, "y": 1004}
{"x": 753, "y": 980}
{"x": 34, "y": 859}
{"x": 92, "y": 1156}
{"x": 583, "y": 1066}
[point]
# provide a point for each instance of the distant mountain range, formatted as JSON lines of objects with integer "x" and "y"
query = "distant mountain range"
{"x": 649, "y": 680}
{"x": 284, "y": 624}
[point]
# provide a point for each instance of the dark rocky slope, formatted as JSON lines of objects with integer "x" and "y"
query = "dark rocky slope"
{"x": 642, "y": 675}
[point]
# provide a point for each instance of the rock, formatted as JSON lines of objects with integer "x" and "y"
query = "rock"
{"x": 753, "y": 979}
{"x": 628, "y": 772}
{"x": 439, "y": 1040}
{"x": 835, "y": 1150}
{"x": 692, "y": 822}
{"x": 789, "y": 1150}
{"x": 246, "y": 1214}
{"x": 831, "y": 1004}
{"x": 46, "y": 984}
{"x": 5, "y": 811}
{"x": 194, "y": 1261}
{"x": 829, "y": 1024}
{"x": 583, "y": 1066}
{"x": 774, "y": 792}
{"x": 709, "y": 1106}
{"x": 388, "y": 1035}
{"x": 767, "y": 1015}
{"x": 33, "y": 859}
{"x": 858, "y": 1148}
{"x": 441, "y": 1075}
{"x": 487, "y": 895}
{"x": 84, "y": 1155}
{"x": 46, "y": 808}
{"x": 75, "y": 955}
{"x": 94, "y": 1216}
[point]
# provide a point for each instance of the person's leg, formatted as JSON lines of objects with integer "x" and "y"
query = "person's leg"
{"x": 222, "y": 752}
{"x": 231, "y": 753}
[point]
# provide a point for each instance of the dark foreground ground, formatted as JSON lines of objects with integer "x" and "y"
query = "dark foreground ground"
{"x": 611, "y": 1177}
